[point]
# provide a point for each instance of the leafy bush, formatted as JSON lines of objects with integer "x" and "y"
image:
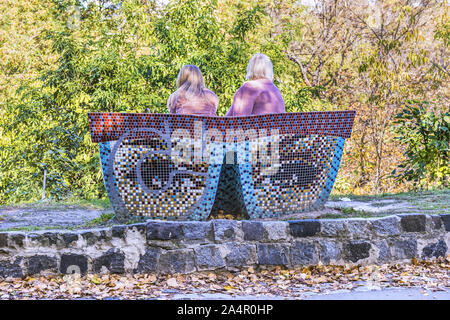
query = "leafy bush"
{"x": 426, "y": 136}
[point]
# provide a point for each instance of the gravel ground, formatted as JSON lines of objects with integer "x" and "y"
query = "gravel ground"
{"x": 41, "y": 215}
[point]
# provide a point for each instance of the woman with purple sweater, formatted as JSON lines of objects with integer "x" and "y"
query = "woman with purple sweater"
{"x": 191, "y": 96}
{"x": 258, "y": 95}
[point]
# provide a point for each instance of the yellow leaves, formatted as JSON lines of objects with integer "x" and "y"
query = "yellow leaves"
{"x": 228, "y": 287}
{"x": 96, "y": 280}
{"x": 212, "y": 276}
{"x": 306, "y": 270}
{"x": 225, "y": 215}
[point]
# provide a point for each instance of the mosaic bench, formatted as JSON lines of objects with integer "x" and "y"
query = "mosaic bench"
{"x": 190, "y": 167}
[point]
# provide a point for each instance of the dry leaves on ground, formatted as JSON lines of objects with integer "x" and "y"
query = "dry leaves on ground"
{"x": 430, "y": 275}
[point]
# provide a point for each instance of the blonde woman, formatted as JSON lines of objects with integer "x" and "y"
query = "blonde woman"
{"x": 258, "y": 95}
{"x": 192, "y": 97}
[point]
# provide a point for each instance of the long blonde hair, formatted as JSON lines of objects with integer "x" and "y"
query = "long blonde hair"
{"x": 190, "y": 81}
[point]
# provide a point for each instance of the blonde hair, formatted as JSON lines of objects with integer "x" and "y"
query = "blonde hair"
{"x": 259, "y": 67}
{"x": 190, "y": 81}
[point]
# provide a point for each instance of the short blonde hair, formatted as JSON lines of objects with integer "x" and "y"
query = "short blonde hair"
{"x": 259, "y": 67}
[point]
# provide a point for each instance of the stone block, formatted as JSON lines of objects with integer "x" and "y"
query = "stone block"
{"x": 16, "y": 239}
{"x": 329, "y": 251}
{"x": 304, "y": 253}
{"x": 387, "y": 226}
{"x": 384, "y": 252}
{"x": 113, "y": 260}
{"x": 225, "y": 230}
{"x": 3, "y": 240}
{"x": 446, "y": 220}
{"x": 240, "y": 254}
{"x": 333, "y": 228}
{"x": 359, "y": 228}
{"x": 275, "y": 230}
{"x": 177, "y": 261}
{"x": 273, "y": 254}
{"x": 434, "y": 250}
{"x": 197, "y": 230}
{"x": 38, "y": 263}
{"x": 50, "y": 238}
{"x": 162, "y": 230}
{"x": 69, "y": 238}
{"x": 436, "y": 222}
{"x": 209, "y": 257}
{"x": 11, "y": 269}
{"x": 253, "y": 230}
{"x": 404, "y": 249}
{"x": 119, "y": 231}
{"x": 356, "y": 250}
{"x": 148, "y": 262}
{"x": 73, "y": 263}
{"x": 304, "y": 228}
{"x": 413, "y": 222}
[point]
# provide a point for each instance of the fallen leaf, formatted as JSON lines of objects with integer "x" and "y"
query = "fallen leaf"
{"x": 172, "y": 282}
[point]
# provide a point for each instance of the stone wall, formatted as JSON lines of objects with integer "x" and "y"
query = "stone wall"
{"x": 184, "y": 247}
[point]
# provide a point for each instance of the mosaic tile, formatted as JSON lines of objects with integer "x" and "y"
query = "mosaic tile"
{"x": 189, "y": 167}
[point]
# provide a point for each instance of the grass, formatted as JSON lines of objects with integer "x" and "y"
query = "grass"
{"x": 104, "y": 219}
{"x": 347, "y": 213}
{"x": 136, "y": 219}
{"x": 34, "y": 228}
{"x": 411, "y": 195}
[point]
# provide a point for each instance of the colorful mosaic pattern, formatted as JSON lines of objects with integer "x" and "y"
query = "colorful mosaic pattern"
{"x": 189, "y": 167}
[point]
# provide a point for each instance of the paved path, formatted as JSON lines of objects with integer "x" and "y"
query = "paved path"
{"x": 360, "y": 294}
{"x": 32, "y": 217}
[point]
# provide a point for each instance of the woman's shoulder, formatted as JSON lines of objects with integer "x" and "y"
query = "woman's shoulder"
{"x": 210, "y": 94}
{"x": 247, "y": 85}
{"x": 258, "y": 83}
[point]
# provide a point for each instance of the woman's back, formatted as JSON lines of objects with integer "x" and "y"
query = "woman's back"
{"x": 204, "y": 104}
{"x": 192, "y": 96}
{"x": 256, "y": 97}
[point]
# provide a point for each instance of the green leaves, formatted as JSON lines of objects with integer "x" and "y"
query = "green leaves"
{"x": 123, "y": 57}
{"x": 426, "y": 136}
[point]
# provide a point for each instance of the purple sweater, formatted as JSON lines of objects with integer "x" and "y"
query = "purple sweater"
{"x": 205, "y": 105}
{"x": 255, "y": 97}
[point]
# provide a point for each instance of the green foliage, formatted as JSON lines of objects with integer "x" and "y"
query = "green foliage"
{"x": 426, "y": 137}
{"x": 123, "y": 56}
